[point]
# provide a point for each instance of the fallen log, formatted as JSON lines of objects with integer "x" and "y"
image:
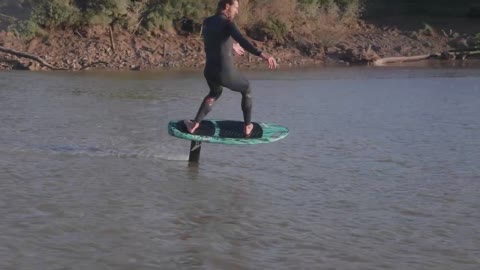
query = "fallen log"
{"x": 457, "y": 54}
{"x": 29, "y": 56}
{"x": 454, "y": 54}
{"x": 41, "y": 61}
{"x": 391, "y": 60}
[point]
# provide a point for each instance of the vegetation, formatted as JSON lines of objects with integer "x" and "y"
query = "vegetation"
{"x": 265, "y": 19}
{"x": 477, "y": 40}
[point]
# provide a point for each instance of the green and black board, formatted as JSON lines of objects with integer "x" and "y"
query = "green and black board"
{"x": 225, "y": 132}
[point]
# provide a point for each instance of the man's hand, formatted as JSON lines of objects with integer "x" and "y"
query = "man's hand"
{"x": 272, "y": 63}
{"x": 238, "y": 49}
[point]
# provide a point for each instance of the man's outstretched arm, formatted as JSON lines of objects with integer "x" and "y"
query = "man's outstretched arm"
{"x": 244, "y": 43}
{"x": 238, "y": 37}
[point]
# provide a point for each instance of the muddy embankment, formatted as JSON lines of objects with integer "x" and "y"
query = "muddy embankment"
{"x": 116, "y": 49}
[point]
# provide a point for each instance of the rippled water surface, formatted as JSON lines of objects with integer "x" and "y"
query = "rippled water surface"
{"x": 381, "y": 170}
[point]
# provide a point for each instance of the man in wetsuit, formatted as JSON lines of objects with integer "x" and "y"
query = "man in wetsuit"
{"x": 219, "y": 70}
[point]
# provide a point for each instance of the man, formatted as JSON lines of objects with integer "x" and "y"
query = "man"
{"x": 219, "y": 70}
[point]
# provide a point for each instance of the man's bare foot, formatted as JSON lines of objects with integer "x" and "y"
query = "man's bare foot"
{"x": 248, "y": 130}
{"x": 191, "y": 126}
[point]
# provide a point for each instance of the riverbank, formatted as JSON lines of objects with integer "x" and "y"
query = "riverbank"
{"x": 115, "y": 49}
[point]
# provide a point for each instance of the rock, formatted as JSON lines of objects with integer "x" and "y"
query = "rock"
{"x": 414, "y": 35}
{"x": 376, "y": 48}
{"x": 31, "y": 66}
{"x": 83, "y": 61}
{"x": 446, "y": 55}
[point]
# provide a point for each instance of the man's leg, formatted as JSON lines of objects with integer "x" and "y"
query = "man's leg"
{"x": 238, "y": 83}
{"x": 206, "y": 107}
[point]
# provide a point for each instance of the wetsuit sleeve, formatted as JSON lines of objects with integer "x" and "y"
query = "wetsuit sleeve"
{"x": 203, "y": 28}
{"x": 238, "y": 37}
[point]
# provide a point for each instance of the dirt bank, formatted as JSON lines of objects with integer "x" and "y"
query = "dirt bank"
{"x": 101, "y": 48}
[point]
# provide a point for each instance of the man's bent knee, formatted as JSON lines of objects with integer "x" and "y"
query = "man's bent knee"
{"x": 210, "y": 100}
{"x": 247, "y": 92}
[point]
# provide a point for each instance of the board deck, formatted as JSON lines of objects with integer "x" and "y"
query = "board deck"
{"x": 228, "y": 132}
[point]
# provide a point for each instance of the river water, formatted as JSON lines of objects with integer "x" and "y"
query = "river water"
{"x": 381, "y": 170}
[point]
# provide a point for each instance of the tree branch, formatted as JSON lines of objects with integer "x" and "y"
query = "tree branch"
{"x": 29, "y": 56}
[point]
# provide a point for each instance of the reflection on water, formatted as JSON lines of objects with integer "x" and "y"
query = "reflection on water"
{"x": 380, "y": 171}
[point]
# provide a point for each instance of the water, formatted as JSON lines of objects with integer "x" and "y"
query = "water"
{"x": 381, "y": 170}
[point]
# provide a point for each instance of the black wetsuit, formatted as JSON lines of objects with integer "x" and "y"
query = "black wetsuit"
{"x": 218, "y": 32}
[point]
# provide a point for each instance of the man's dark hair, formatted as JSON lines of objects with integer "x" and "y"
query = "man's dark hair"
{"x": 222, "y": 4}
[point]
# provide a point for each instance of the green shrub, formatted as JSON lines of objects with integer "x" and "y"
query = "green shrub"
{"x": 269, "y": 29}
{"x": 272, "y": 18}
{"x": 325, "y": 4}
{"x": 104, "y": 12}
{"x": 163, "y": 13}
{"x": 427, "y": 30}
{"x": 107, "y": 7}
{"x": 6, "y": 20}
{"x": 339, "y": 10}
{"x": 25, "y": 28}
{"x": 476, "y": 39}
{"x": 54, "y": 13}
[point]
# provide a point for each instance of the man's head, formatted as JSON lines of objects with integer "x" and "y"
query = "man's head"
{"x": 228, "y": 7}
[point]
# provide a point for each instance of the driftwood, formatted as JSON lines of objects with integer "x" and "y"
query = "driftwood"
{"x": 458, "y": 54}
{"x": 112, "y": 40}
{"x": 455, "y": 54}
{"x": 136, "y": 26}
{"x": 30, "y": 56}
{"x": 391, "y": 60}
{"x": 41, "y": 61}
{"x": 78, "y": 33}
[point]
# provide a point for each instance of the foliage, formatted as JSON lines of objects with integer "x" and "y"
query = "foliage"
{"x": 271, "y": 28}
{"x": 315, "y": 4}
{"x": 103, "y": 12}
{"x": 163, "y": 13}
{"x": 427, "y": 30}
{"x": 476, "y": 39}
{"x": 25, "y": 29}
{"x": 54, "y": 13}
{"x": 273, "y": 17}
